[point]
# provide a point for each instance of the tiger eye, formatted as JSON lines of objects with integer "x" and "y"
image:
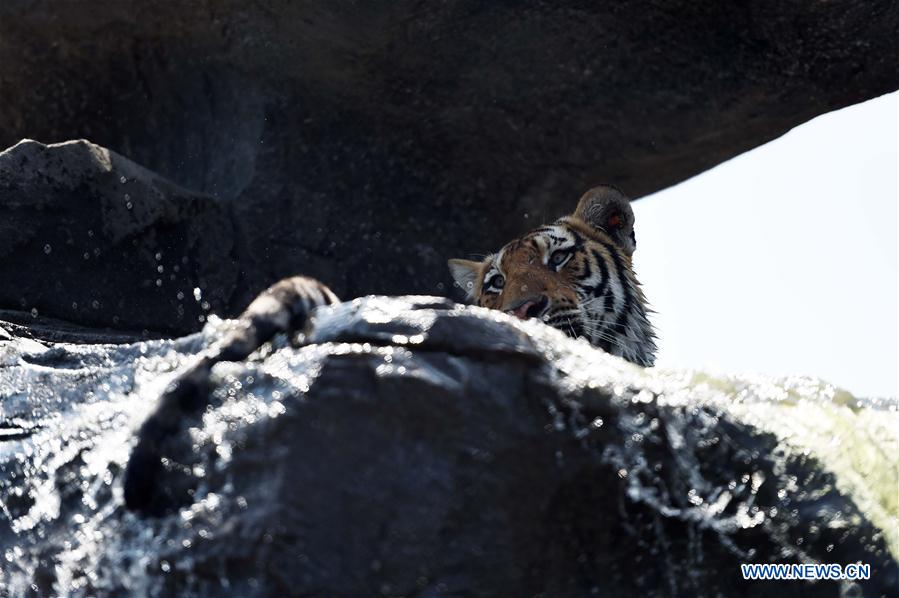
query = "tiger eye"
{"x": 559, "y": 256}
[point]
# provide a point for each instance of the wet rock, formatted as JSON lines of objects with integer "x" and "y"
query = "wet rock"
{"x": 93, "y": 238}
{"x": 41, "y": 328}
{"x": 417, "y": 446}
{"x": 364, "y": 145}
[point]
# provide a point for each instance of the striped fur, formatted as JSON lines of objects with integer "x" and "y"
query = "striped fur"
{"x": 575, "y": 275}
{"x": 283, "y": 307}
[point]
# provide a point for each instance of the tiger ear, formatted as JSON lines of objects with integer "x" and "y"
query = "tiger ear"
{"x": 609, "y": 210}
{"x": 465, "y": 273}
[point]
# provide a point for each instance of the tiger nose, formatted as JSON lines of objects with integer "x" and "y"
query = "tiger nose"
{"x": 530, "y": 308}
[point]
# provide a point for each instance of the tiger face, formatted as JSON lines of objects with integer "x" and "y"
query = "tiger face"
{"x": 574, "y": 275}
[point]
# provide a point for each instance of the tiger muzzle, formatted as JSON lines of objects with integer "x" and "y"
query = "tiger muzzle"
{"x": 530, "y": 308}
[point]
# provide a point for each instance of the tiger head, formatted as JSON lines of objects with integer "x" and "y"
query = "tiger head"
{"x": 574, "y": 275}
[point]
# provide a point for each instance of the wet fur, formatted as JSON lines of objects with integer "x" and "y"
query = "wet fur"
{"x": 283, "y": 307}
{"x": 594, "y": 294}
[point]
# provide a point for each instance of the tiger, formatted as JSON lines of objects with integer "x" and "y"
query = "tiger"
{"x": 575, "y": 275}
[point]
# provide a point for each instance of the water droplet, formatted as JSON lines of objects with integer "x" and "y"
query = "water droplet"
{"x": 180, "y": 295}
{"x": 123, "y": 180}
{"x": 90, "y": 233}
{"x": 95, "y": 304}
{"x": 74, "y": 305}
{"x": 160, "y": 269}
{"x": 86, "y": 255}
{"x": 128, "y": 205}
{"x": 33, "y": 312}
{"x": 47, "y": 249}
{"x": 198, "y": 294}
{"x": 158, "y": 256}
{"x": 159, "y": 282}
{"x": 127, "y": 197}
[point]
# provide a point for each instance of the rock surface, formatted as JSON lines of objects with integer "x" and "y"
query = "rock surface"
{"x": 364, "y": 144}
{"x": 91, "y": 237}
{"x": 420, "y": 447}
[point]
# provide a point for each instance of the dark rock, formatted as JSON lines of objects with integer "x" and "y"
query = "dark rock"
{"x": 366, "y": 143}
{"x": 41, "y": 328}
{"x": 91, "y": 237}
{"x": 420, "y": 447}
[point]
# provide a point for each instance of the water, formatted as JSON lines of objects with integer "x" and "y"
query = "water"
{"x": 707, "y": 469}
{"x": 70, "y": 411}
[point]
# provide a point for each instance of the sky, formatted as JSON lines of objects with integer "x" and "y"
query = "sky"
{"x": 783, "y": 260}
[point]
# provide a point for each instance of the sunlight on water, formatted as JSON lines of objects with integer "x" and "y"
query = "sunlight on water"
{"x": 72, "y": 412}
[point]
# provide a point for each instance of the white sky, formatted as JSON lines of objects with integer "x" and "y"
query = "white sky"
{"x": 783, "y": 260}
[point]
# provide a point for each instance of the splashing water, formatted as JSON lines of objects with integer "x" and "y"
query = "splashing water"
{"x": 719, "y": 457}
